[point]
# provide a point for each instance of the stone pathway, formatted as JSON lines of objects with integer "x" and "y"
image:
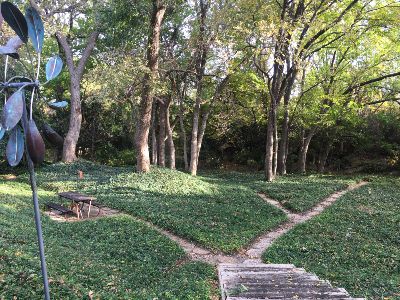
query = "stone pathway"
{"x": 243, "y": 276}
{"x": 252, "y": 254}
{"x": 263, "y": 242}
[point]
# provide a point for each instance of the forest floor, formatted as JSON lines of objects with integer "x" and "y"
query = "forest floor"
{"x": 218, "y": 215}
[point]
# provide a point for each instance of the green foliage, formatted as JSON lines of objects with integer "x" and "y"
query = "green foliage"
{"x": 354, "y": 243}
{"x": 113, "y": 258}
{"x": 218, "y": 214}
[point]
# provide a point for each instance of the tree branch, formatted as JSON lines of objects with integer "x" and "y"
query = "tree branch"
{"x": 62, "y": 40}
{"x": 358, "y": 85}
{"x": 86, "y": 53}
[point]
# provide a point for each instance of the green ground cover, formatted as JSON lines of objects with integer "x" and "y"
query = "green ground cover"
{"x": 113, "y": 257}
{"x": 297, "y": 193}
{"x": 355, "y": 243}
{"x": 219, "y": 215}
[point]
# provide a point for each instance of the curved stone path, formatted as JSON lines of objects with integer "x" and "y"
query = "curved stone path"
{"x": 263, "y": 242}
{"x": 253, "y": 253}
{"x": 243, "y": 276}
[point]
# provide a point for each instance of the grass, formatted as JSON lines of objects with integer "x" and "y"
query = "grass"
{"x": 297, "y": 193}
{"x": 113, "y": 258}
{"x": 220, "y": 215}
{"x": 355, "y": 243}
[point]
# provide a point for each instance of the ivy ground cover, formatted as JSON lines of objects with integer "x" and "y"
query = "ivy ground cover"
{"x": 355, "y": 243}
{"x": 218, "y": 215}
{"x": 297, "y": 193}
{"x": 109, "y": 258}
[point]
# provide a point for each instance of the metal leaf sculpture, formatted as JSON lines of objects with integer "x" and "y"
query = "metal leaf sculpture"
{"x": 53, "y": 67}
{"x": 12, "y": 111}
{"x": 35, "y": 143}
{"x": 22, "y": 79}
{"x": 4, "y": 50}
{"x": 57, "y": 105}
{"x": 2, "y": 131}
{"x": 15, "y": 147}
{"x": 14, "y": 17}
{"x": 15, "y": 109}
{"x": 35, "y": 28}
{"x": 12, "y": 47}
{"x": 52, "y": 136}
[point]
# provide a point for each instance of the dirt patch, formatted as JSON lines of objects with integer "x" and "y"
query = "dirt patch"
{"x": 8, "y": 177}
{"x": 95, "y": 213}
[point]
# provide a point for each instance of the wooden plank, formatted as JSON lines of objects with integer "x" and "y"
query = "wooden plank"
{"x": 58, "y": 207}
{"x": 75, "y": 196}
{"x": 274, "y": 282}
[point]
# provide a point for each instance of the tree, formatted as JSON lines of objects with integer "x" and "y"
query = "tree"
{"x": 144, "y": 118}
{"x": 65, "y": 40}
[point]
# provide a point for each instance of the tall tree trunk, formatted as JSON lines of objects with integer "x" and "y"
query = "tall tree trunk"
{"x": 323, "y": 157}
{"x": 269, "y": 149}
{"x": 304, "y": 150}
{"x": 161, "y": 133}
{"x": 194, "y": 150}
{"x": 276, "y": 146}
{"x": 144, "y": 119}
{"x": 75, "y": 122}
{"x": 76, "y": 73}
{"x": 170, "y": 138}
{"x": 201, "y": 58}
{"x": 283, "y": 147}
{"x": 183, "y": 136}
{"x": 154, "y": 147}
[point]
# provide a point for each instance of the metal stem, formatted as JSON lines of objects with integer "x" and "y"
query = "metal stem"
{"x": 5, "y": 77}
{"x": 39, "y": 230}
{"x": 17, "y": 84}
{"x": 32, "y": 178}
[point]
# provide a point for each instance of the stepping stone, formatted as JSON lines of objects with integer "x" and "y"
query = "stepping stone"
{"x": 275, "y": 282}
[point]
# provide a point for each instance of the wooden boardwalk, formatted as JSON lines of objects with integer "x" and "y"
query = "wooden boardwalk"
{"x": 273, "y": 281}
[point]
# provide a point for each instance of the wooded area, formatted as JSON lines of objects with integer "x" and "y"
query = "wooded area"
{"x": 190, "y": 149}
{"x": 280, "y": 85}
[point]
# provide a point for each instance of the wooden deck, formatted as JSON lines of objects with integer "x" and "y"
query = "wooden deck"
{"x": 272, "y": 281}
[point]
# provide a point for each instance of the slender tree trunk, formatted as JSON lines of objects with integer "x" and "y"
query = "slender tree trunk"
{"x": 161, "y": 133}
{"x": 195, "y": 130}
{"x": 283, "y": 147}
{"x": 170, "y": 138}
{"x": 269, "y": 149}
{"x": 304, "y": 150}
{"x": 203, "y": 126}
{"x": 276, "y": 148}
{"x": 323, "y": 157}
{"x": 201, "y": 58}
{"x": 183, "y": 136}
{"x": 143, "y": 123}
{"x": 154, "y": 147}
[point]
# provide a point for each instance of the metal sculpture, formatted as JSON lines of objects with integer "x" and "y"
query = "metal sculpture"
{"x": 21, "y": 92}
